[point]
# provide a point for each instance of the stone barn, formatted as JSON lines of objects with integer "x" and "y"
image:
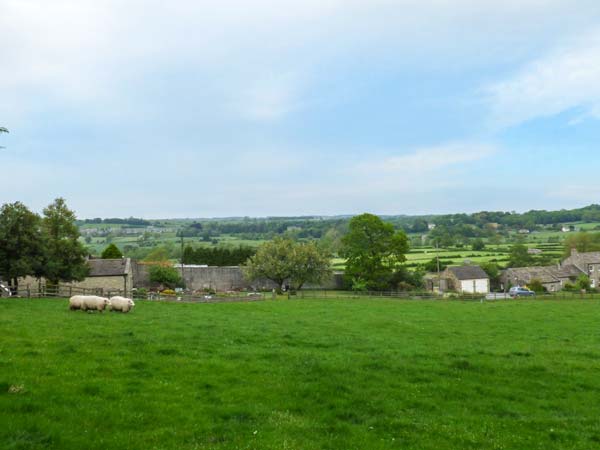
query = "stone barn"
{"x": 467, "y": 279}
{"x": 108, "y": 274}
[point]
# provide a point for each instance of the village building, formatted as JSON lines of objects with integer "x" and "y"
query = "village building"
{"x": 466, "y": 279}
{"x": 105, "y": 276}
{"x": 587, "y": 263}
{"x": 553, "y": 278}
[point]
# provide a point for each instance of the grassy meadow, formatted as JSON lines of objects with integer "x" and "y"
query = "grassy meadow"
{"x": 310, "y": 374}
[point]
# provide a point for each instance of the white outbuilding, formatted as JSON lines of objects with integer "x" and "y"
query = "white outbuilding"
{"x": 468, "y": 279}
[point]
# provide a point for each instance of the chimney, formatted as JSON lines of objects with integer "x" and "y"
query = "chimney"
{"x": 574, "y": 251}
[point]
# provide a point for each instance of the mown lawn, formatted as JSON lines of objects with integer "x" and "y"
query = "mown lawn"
{"x": 301, "y": 374}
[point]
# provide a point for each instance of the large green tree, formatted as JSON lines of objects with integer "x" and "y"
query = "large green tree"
{"x": 374, "y": 251}
{"x": 111, "y": 252}
{"x": 64, "y": 254}
{"x": 21, "y": 251}
{"x": 283, "y": 259}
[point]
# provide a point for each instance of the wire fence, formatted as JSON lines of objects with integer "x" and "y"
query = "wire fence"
{"x": 66, "y": 291}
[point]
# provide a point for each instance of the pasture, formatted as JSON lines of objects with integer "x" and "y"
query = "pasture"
{"x": 301, "y": 374}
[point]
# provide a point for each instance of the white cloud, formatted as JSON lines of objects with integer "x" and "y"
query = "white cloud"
{"x": 426, "y": 160}
{"x": 91, "y": 53}
{"x": 566, "y": 78}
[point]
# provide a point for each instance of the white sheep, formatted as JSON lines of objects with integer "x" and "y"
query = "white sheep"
{"x": 76, "y": 302}
{"x": 122, "y": 304}
{"x": 94, "y": 303}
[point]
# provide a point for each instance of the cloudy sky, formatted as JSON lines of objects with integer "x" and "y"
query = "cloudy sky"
{"x": 201, "y": 108}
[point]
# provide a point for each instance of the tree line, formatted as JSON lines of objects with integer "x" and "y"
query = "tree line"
{"x": 40, "y": 246}
{"x": 117, "y": 221}
{"x": 217, "y": 256}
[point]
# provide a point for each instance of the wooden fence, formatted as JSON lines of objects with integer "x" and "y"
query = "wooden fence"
{"x": 62, "y": 291}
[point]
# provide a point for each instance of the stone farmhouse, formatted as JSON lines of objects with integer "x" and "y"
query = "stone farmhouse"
{"x": 554, "y": 278}
{"x": 105, "y": 275}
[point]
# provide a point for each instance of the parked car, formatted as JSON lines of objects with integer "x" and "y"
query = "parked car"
{"x": 518, "y": 291}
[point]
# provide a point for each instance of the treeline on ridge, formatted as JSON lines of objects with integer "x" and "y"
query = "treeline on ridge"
{"x": 217, "y": 256}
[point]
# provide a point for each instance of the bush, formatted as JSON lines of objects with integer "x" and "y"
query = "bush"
{"x": 168, "y": 292}
{"x": 164, "y": 274}
{"x": 536, "y": 286}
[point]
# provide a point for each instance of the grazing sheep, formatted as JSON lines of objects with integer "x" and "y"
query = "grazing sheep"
{"x": 94, "y": 303}
{"x": 122, "y": 304}
{"x": 76, "y": 302}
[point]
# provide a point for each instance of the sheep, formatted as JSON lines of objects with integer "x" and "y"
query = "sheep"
{"x": 76, "y": 302}
{"x": 122, "y": 304}
{"x": 94, "y": 303}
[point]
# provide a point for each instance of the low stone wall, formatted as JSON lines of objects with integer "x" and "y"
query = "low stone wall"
{"x": 229, "y": 278}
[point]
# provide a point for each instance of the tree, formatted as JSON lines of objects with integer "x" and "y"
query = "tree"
{"x": 478, "y": 245}
{"x": 583, "y": 283}
{"x": 519, "y": 256}
{"x": 432, "y": 265}
{"x": 21, "y": 251}
{"x": 65, "y": 256}
{"x": 493, "y": 271}
{"x": 282, "y": 260}
{"x": 159, "y": 254}
{"x": 111, "y": 252}
{"x": 166, "y": 275}
{"x": 373, "y": 251}
{"x": 582, "y": 242}
{"x": 536, "y": 286}
{"x": 309, "y": 265}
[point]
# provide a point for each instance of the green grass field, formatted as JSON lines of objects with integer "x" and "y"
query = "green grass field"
{"x": 310, "y": 374}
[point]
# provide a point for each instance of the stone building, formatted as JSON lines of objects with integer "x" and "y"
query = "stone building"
{"x": 553, "y": 278}
{"x": 105, "y": 275}
{"x": 587, "y": 263}
{"x": 467, "y": 279}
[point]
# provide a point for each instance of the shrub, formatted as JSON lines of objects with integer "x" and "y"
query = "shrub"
{"x": 536, "y": 286}
{"x": 165, "y": 274}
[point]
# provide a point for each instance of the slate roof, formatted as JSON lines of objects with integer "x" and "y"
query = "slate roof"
{"x": 468, "y": 272}
{"x": 109, "y": 267}
{"x": 545, "y": 274}
{"x": 590, "y": 257}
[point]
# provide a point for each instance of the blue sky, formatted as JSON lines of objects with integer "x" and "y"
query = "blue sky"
{"x": 263, "y": 107}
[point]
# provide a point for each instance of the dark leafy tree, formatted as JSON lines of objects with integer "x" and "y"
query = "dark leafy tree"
{"x": 21, "y": 250}
{"x": 64, "y": 254}
{"x": 478, "y": 245}
{"x": 111, "y": 252}
{"x": 373, "y": 250}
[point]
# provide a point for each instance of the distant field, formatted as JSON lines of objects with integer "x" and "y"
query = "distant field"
{"x": 310, "y": 374}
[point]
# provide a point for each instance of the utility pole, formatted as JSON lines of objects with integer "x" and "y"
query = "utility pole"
{"x": 437, "y": 257}
{"x": 181, "y": 260}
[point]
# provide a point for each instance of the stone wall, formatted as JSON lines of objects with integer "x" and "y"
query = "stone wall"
{"x": 229, "y": 278}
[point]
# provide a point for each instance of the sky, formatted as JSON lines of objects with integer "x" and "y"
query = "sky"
{"x": 202, "y": 108}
